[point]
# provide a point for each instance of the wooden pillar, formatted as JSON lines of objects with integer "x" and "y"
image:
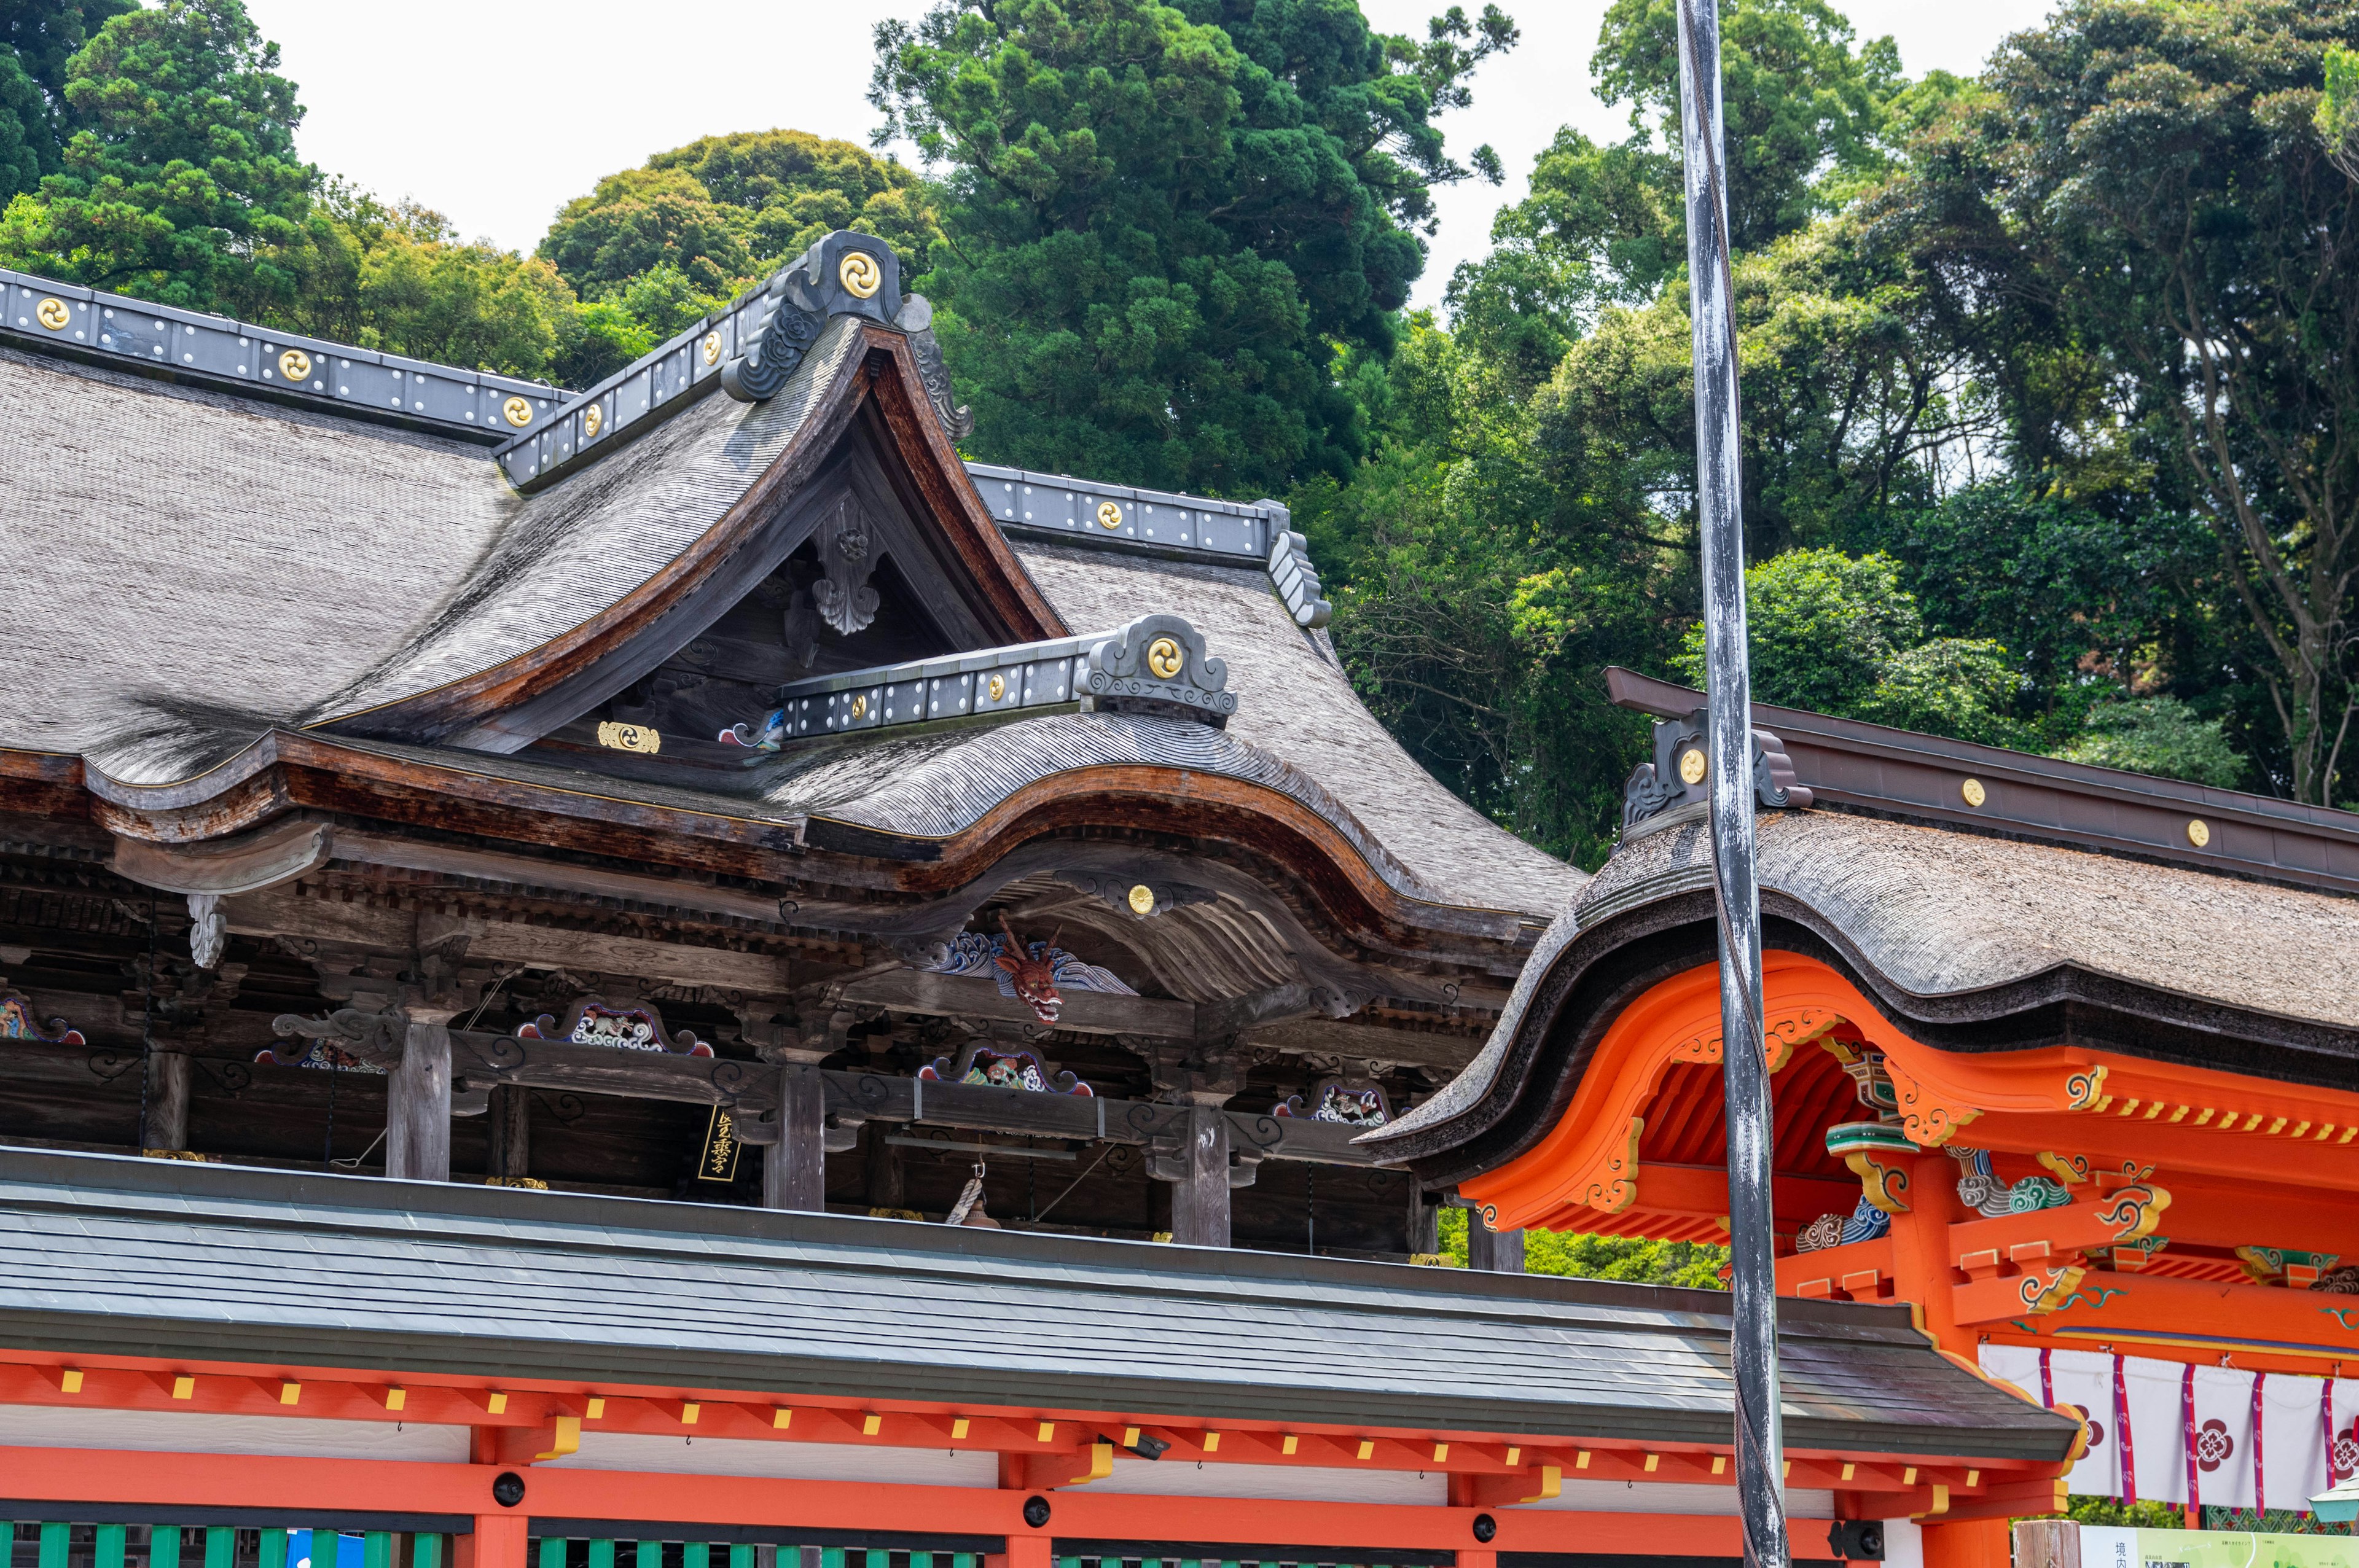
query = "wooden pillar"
{"x": 794, "y": 1169}
{"x": 886, "y": 1176}
{"x": 499, "y": 1541}
{"x": 1921, "y": 1267}
{"x": 1495, "y": 1251}
{"x": 1968, "y": 1543}
{"x": 1199, "y": 1198}
{"x": 1424, "y": 1222}
{"x": 507, "y": 1129}
{"x": 168, "y": 1101}
{"x": 417, "y": 1107}
{"x": 1027, "y": 1550}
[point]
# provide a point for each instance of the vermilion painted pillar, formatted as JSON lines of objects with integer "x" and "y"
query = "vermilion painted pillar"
{"x": 1920, "y": 1251}
{"x": 1027, "y": 1551}
{"x": 1970, "y": 1544}
{"x": 500, "y": 1541}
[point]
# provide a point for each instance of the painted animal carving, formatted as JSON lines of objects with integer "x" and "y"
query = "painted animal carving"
{"x": 1034, "y": 977}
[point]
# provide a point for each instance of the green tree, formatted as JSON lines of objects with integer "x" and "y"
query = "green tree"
{"x": 644, "y": 218}
{"x": 1806, "y": 124}
{"x": 1695, "y": 1265}
{"x": 791, "y": 187}
{"x": 1837, "y": 635}
{"x": 2159, "y": 735}
{"x": 181, "y": 183}
{"x": 37, "y": 38}
{"x": 1804, "y": 113}
{"x": 723, "y": 211}
{"x": 2149, "y": 194}
{"x": 1159, "y": 232}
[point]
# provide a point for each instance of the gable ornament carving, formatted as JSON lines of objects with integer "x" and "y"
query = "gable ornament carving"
{"x": 847, "y": 554}
{"x": 1157, "y": 664}
{"x": 819, "y": 283}
{"x": 1680, "y": 773}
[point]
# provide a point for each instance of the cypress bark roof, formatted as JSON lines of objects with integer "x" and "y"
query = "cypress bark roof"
{"x": 216, "y": 567}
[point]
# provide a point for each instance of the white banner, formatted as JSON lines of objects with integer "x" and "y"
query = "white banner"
{"x": 2290, "y": 1448}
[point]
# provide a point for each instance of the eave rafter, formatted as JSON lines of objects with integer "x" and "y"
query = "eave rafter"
{"x": 523, "y": 1420}
{"x": 2104, "y": 1109}
{"x": 1284, "y": 848}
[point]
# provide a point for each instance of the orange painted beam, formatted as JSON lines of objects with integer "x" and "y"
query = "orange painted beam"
{"x": 1837, "y": 1270}
{"x": 2091, "y": 1219}
{"x": 239, "y": 1481}
{"x": 2136, "y": 1309}
{"x": 2288, "y": 1163}
{"x": 1701, "y": 1191}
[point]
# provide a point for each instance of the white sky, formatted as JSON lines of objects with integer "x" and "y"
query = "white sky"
{"x": 498, "y": 111}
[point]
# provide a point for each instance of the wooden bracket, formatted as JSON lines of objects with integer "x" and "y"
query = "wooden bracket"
{"x": 1073, "y": 1467}
{"x": 1537, "y": 1484}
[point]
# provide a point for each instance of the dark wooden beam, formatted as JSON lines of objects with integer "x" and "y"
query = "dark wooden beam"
{"x": 794, "y": 1169}
{"x": 971, "y": 996}
{"x": 168, "y": 1101}
{"x": 1195, "y": 1159}
{"x": 417, "y": 1107}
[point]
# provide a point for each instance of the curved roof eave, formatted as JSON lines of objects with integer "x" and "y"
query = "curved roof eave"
{"x": 1974, "y": 941}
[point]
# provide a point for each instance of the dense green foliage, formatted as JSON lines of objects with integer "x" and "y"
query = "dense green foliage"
{"x": 2144, "y": 204}
{"x": 37, "y": 38}
{"x": 1693, "y": 1264}
{"x": 1166, "y": 221}
{"x": 722, "y": 212}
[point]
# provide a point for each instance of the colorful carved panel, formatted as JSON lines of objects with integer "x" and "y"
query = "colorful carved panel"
{"x": 1876, "y": 1153}
{"x": 1035, "y": 973}
{"x": 1001, "y": 1067}
{"x": 1330, "y": 1100}
{"x": 320, "y": 1054}
{"x": 594, "y": 1021}
{"x": 18, "y": 1023}
{"x": 2280, "y": 1266}
{"x": 1866, "y": 1222}
{"x": 1985, "y": 1194}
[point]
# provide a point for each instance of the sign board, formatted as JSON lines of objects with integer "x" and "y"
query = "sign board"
{"x": 2103, "y": 1547}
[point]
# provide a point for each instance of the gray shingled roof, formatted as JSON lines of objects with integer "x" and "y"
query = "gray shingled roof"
{"x": 577, "y": 548}
{"x": 1940, "y": 914}
{"x": 215, "y": 568}
{"x": 171, "y": 546}
{"x": 125, "y": 1257}
{"x": 1295, "y": 703}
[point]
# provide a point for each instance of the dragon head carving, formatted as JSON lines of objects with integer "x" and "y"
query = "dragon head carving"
{"x": 1035, "y": 979}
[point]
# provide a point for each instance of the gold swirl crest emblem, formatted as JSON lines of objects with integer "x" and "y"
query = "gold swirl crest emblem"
{"x": 517, "y": 412}
{"x": 1163, "y": 657}
{"x": 712, "y": 347}
{"x": 860, "y": 274}
{"x": 593, "y": 419}
{"x": 294, "y": 364}
{"x": 53, "y": 313}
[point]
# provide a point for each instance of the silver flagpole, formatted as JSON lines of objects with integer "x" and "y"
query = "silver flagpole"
{"x": 1753, "y": 1278}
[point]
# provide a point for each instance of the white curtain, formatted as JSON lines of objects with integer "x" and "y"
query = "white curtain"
{"x": 2291, "y": 1450}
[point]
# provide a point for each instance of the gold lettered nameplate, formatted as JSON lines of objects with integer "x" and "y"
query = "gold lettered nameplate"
{"x": 719, "y": 1162}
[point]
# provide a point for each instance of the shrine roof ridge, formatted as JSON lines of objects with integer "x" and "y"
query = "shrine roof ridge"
{"x": 538, "y": 432}
{"x": 1850, "y": 763}
{"x": 221, "y": 353}
{"x": 106, "y": 1251}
